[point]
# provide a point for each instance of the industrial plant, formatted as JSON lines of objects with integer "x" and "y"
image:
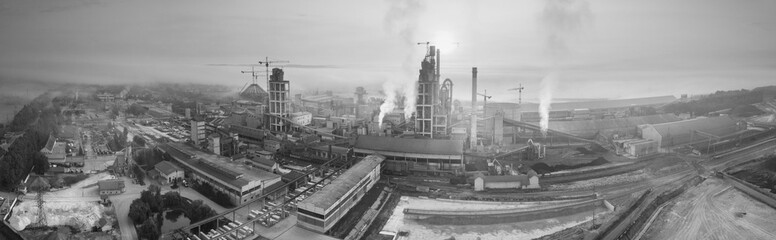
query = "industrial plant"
{"x": 285, "y": 150}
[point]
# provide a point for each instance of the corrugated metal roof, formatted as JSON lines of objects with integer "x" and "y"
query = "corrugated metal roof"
{"x": 589, "y": 128}
{"x": 216, "y": 166}
{"x": 523, "y": 179}
{"x": 111, "y": 184}
{"x": 410, "y": 145}
{"x": 327, "y": 196}
{"x": 718, "y": 126}
{"x": 266, "y": 162}
{"x": 167, "y": 168}
{"x": 602, "y": 104}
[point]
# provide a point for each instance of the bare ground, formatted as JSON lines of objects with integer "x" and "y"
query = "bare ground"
{"x": 712, "y": 210}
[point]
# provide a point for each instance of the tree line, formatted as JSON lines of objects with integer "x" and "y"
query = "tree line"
{"x": 719, "y": 100}
{"x": 37, "y": 120}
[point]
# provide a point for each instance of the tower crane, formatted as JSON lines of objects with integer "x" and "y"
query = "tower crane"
{"x": 428, "y": 43}
{"x": 266, "y": 63}
{"x": 254, "y": 74}
{"x": 485, "y": 98}
{"x": 520, "y": 94}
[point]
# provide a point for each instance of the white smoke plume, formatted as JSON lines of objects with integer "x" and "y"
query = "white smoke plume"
{"x": 547, "y": 85}
{"x": 390, "y": 102}
{"x": 403, "y": 19}
{"x": 561, "y": 22}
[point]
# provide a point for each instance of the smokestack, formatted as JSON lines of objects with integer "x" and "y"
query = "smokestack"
{"x": 473, "y": 119}
{"x": 474, "y": 90}
{"x": 438, "y": 65}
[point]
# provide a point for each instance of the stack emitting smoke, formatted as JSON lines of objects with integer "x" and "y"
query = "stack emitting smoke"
{"x": 402, "y": 19}
{"x": 390, "y": 102}
{"x": 561, "y": 22}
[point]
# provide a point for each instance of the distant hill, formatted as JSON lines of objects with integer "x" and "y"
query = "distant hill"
{"x": 737, "y": 101}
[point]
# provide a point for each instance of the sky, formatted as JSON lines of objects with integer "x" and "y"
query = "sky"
{"x": 623, "y": 49}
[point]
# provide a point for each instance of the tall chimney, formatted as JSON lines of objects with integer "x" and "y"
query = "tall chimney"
{"x": 474, "y": 89}
{"x": 438, "y": 65}
{"x": 473, "y": 119}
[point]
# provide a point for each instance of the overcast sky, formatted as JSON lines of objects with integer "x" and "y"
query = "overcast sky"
{"x": 626, "y": 48}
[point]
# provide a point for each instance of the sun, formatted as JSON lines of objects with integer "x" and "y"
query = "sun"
{"x": 445, "y": 41}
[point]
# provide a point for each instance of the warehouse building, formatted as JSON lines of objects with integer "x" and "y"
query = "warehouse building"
{"x": 528, "y": 181}
{"x": 688, "y": 131}
{"x": 168, "y": 172}
{"x": 414, "y": 154}
{"x": 235, "y": 179}
{"x": 321, "y": 211}
{"x": 621, "y": 127}
{"x": 110, "y": 186}
{"x": 640, "y": 147}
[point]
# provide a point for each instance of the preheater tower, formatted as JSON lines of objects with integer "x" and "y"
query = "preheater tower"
{"x": 428, "y": 90}
{"x": 279, "y": 102}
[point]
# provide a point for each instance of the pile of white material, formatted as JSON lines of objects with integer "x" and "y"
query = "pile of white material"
{"x": 80, "y": 215}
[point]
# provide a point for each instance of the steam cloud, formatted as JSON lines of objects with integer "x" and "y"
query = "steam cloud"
{"x": 390, "y": 101}
{"x": 402, "y": 19}
{"x": 547, "y": 84}
{"x": 561, "y": 22}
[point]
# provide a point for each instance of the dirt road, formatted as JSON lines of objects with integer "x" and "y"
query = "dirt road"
{"x": 713, "y": 210}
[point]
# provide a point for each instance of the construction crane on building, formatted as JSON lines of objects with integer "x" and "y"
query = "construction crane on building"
{"x": 428, "y": 43}
{"x": 519, "y": 94}
{"x": 255, "y": 76}
{"x": 266, "y": 64}
{"x": 485, "y": 98}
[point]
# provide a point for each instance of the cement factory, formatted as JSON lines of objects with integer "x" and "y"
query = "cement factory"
{"x": 281, "y": 159}
{"x": 272, "y": 165}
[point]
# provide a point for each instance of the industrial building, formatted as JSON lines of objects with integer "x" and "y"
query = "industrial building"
{"x": 121, "y": 164}
{"x": 528, "y": 181}
{"x": 609, "y": 127}
{"x": 434, "y": 103}
{"x": 234, "y": 178}
{"x": 198, "y": 131}
{"x": 326, "y": 105}
{"x": 247, "y": 134}
{"x": 168, "y": 172}
{"x": 222, "y": 143}
{"x": 110, "y": 186}
{"x": 640, "y": 147}
{"x": 600, "y": 109}
{"x": 279, "y": 101}
{"x": 689, "y": 131}
{"x": 321, "y": 211}
{"x": 414, "y": 154}
{"x": 302, "y": 118}
{"x": 262, "y": 162}
{"x": 54, "y": 150}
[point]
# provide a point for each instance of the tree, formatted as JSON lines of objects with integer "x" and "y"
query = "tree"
{"x": 139, "y": 174}
{"x": 152, "y": 197}
{"x": 40, "y": 162}
{"x": 139, "y": 141}
{"x": 136, "y": 109}
{"x": 114, "y": 111}
{"x": 172, "y": 199}
{"x": 198, "y": 211}
{"x": 149, "y": 230}
{"x": 139, "y": 211}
